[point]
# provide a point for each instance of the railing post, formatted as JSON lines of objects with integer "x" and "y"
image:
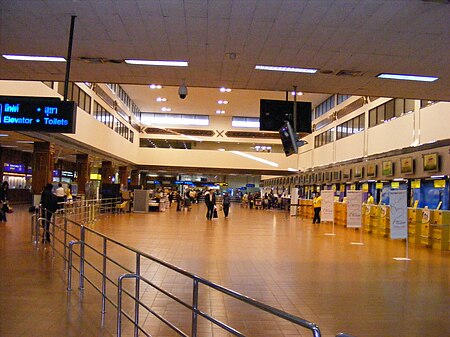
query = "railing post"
{"x": 194, "y": 307}
{"x": 136, "y": 295}
{"x": 69, "y": 268}
{"x": 104, "y": 276}
{"x": 82, "y": 258}
{"x": 119, "y": 301}
{"x": 65, "y": 242}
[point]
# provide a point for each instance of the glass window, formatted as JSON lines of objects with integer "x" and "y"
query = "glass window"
{"x": 409, "y": 105}
{"x": 399, "y": 106}
{"x": 389, "y": 110}
{"x": 245, "y": 122}
{"x": 380, "y": 114}
{"x": 372, "y": 117}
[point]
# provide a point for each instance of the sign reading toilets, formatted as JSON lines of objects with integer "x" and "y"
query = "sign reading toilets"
{"x": 46, "y": 114}
{"x": 399, "y": 214}
{"x": 354, "y": 208}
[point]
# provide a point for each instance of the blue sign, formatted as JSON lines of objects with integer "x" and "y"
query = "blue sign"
{"x": 14, "y": 168}
{"x": 45, "y": 114}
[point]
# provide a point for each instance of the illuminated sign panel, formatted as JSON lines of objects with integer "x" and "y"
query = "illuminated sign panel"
{"x": 44, "y": 114}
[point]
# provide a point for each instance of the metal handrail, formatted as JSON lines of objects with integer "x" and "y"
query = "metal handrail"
{"x": 86, "y": 239}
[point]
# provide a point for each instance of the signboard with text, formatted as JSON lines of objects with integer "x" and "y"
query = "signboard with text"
{"x": 354, "y": 209}
{"x": 42, "y": 114}
{"x": 399, "y": 214}
{"x": 327, "y": 211}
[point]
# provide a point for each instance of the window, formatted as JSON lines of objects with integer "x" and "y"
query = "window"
{"x": 174, "y": 119}
{"x": 245, "y": 122}
{"x": 351, "y": 126}
{"x": 324, "y": 107}
{"x": 76, "y": 94}
{"x": 387, "y": 111}
{"x": 324, "y": 138}
{"x": 342, "y": 98}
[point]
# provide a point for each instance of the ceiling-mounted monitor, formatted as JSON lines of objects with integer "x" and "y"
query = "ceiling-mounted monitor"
{"x": 274, "y": 113}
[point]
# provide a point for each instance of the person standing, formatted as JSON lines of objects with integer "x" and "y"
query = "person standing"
{"x": 317, "y": 204}
{"x": 60, "y": 195}
{"x": 226, "y": 204}
{"x": 49, "y": 204}
{"x": 4, "y": 200}
{"x": 210, "y": 201}
{"x": 370, "y": 199}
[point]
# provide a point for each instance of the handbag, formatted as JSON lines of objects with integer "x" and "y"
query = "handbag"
{"x": 215, "y": 213}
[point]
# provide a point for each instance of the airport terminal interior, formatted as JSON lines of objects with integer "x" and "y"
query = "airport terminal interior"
{"x": 321, "y": 126}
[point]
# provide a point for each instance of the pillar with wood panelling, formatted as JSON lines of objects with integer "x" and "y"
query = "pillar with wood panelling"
{"x": 83, "y": 171}
{"x": 43, "y": 162}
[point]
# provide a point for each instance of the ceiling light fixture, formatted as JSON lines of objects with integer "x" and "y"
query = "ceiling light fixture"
{"x": 287, "y": 69}
{"x": 222, "y": 102}
{"x": 249, "y": 156}
{"x": 158, "y": 63}
{"x": 166, "y": 109}
{"x": 155, "y": 86}
{"x": 220, "y": 112}
{"x": 161, "y": 99}
{"x": 34, "y": 58}
{"x": 223, "y": 89}
{"x": 406, "y": 77}
{"x": 299, "y": 93}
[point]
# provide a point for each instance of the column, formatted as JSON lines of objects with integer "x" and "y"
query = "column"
{"x": 83, "y": 172}
{"x": 43, "y": 153}
{"x": 123, "y": 177}
{"x": 107, "y": 172}
{"x": 134, "y": 177}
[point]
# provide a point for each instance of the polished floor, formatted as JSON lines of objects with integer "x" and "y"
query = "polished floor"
{"x": 284, "y": 261}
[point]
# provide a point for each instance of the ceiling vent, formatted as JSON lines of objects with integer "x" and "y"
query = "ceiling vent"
{"x": 98, "y": 60}
{"x": 352, "y": 73}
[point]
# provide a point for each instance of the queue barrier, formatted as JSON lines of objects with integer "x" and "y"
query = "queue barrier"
{"x": 108, "y": 266}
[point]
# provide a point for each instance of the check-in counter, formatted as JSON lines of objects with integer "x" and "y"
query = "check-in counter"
{"x": 384, "y": 224}
{"x": 426, "y": 229}
{"x": 341, "y": 213}
{"x": 414, "y": 225}
{"x": 439, "y": 225}
{"x": 366, "y": 216}
{"x": 375, "y": 217}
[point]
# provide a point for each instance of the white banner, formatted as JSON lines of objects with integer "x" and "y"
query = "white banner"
{"x": 399, "y": 214}
{"x": 294, "y": 201}
{"x": 327, "y": 211}
{"x": 354, "y": 209}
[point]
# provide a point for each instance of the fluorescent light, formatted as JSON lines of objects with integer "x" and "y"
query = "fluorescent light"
{"x": 249, "y": 156}
{"x": 286, "y": 69}
{"x": 222, "y": 150}
{"x": 292, "y": 169}
{"x": 408, "y": 77}
{"x": 158, "y": 63}
{"x": 25, "y": 142}
{"x": 34, "y": 58}
{"x": 3, "y": 135}
{"x": 437, "y": 177}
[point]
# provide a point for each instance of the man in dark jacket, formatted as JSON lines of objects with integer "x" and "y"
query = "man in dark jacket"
{"x": 210, "y": 201}
{"x": 49, "y": 204}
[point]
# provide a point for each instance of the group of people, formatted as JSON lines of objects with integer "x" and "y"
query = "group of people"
{"x": 210, "y": 201}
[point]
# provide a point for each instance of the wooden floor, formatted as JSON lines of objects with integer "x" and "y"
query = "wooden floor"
{"x": 284, "y": 261}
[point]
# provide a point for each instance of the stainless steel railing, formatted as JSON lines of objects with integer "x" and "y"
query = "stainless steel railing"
{"x": 107, "y": 265}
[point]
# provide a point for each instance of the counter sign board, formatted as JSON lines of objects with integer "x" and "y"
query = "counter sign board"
{"x": 45, "y": 114}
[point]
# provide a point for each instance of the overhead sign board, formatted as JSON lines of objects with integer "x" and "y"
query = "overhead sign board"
{"x": 44, "y": 114}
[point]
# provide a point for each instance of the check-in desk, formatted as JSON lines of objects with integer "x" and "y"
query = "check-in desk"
{"x": 440, "y": 221}
{"x": 375, "y": 217}
{"x": 366, "y": 216}
{"x": 384, "y": 224}
{"x": 414, "y": 225}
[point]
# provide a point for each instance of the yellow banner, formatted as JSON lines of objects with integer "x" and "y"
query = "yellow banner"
{"x": 353, "y": 187}
{"x": 379, "y": 186}
{"x": 365, "y": 187}
{"x": 395, "y": 184}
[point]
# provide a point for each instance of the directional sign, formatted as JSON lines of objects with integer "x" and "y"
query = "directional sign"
{"x": 46, "y": 114}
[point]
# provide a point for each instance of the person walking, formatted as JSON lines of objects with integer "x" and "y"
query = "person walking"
{"x": 226, "y": 204}
{"x": 210, "y": 201}
{"x": 49, "y": 204}
{"x": 317, "y": 204}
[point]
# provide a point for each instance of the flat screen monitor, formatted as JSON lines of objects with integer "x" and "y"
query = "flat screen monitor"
{"x": 274, "y": 113}
{"x": 288, "y": 139}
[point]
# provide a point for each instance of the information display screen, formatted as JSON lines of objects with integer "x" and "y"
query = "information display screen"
{"x": 46, "y": 114}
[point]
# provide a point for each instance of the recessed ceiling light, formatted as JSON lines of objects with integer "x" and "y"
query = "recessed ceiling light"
{"x": 287, "y": 69}
{"x": 155, "y": 86}
{"x": 299, "y": 93}
{"x": 34, "y": 58}
{"x": 161, "y": 99}
{"x": 223, "y": 89}
{"x": 220, "y": 112}
{"x": 222, "y": 102}
{"x": 158, "y": 63}
{"x": 406, "y": 77}
{"x": 166, "y": 109}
